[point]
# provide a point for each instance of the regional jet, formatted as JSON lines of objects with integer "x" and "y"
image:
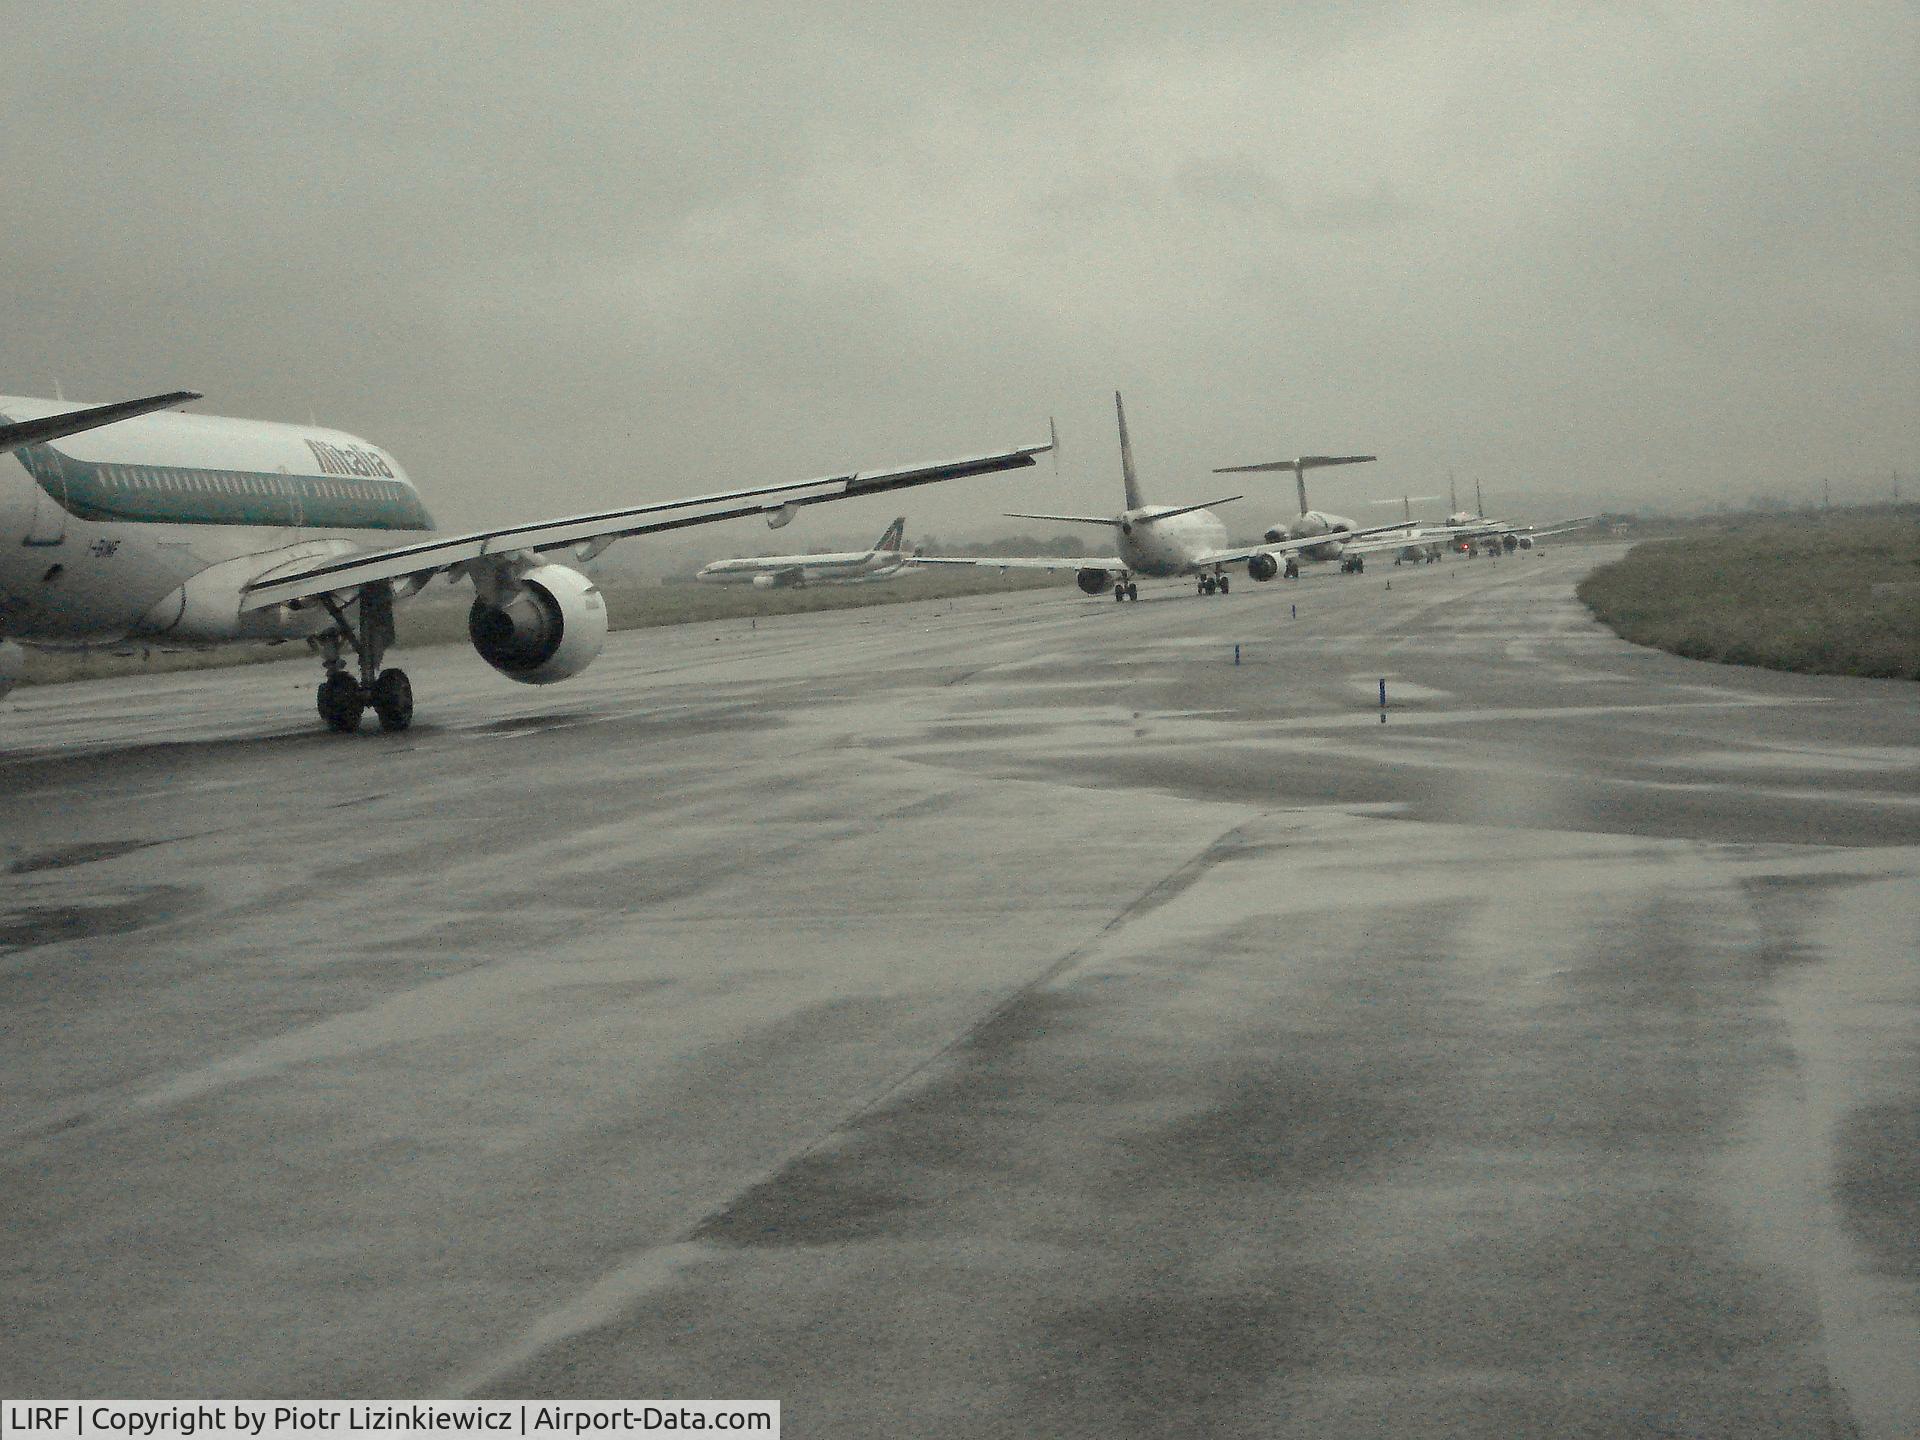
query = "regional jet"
{"x": 145, "y": 523}
{"x": 1154, "y": 540}
{"x": 885, "y": 559}
{"x": 1333, "y": 537}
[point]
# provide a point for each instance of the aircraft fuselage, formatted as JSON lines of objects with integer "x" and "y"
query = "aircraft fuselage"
{"x": 149, "y": 528}
{"x": 1315, "y": 522}
{"x": 1168, "y": 547}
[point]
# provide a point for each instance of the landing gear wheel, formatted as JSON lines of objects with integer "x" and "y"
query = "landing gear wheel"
{"x": 1359, "y": 564}
{"x": 1133, "y": 591}
{"x": 340, "y": 702}
{"x": 393, "y": 700}
{"x": 1207, "y": 587}
{"x": 1223, "y": 584}
{"x": 1119, "y": 591}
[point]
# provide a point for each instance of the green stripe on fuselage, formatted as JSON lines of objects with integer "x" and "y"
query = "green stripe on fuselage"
{"x": 177, "y": 495}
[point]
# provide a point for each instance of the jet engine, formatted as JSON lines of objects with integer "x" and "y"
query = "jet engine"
{"x": 1275, "y": 536}
{"x": 774, "y": 581}
{"x": 547, "y": 626}
{"x": 1262, "y": 567}
{"x": 1094, "y": 582}
{"x": 13, "y": 660}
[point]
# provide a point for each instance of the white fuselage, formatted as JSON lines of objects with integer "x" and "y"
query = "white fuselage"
{"x": 844, "y": 568}
{"x": 151, "y": 527}
{"x": 1171, "y": 546}
{"x": 1311, "y": 523}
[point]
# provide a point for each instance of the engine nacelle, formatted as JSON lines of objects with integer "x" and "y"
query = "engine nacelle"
{"x": 1275, "y": 536}
{"x": 1094, "y": 582}
{"x": 13, "y": 662}
{"x": 1262, "y": 567}
{"x": 548, "y": 628}
{"x": 775, "y": 580}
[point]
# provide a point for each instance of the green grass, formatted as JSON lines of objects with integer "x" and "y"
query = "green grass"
{"x": 1792, "y": 593}
{"x": 439, "y": 617}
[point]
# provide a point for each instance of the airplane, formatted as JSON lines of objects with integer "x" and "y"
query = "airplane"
{"x": 1333, "y": 532}
{"x": 1153, "y": 540}
{"x": 147, "y": 523}
{"x": 1422, "y": 548}
{"x": 883, "y": 561}
{"x": 1475, "y": 530}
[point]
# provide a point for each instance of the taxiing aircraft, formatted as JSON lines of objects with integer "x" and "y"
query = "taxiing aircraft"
{"x": 886, "y": 559}
{"x": 1424, "y": 545}
{"x": 1476, "y": 530}
{"x": 144, "y": 523}
{"x": 1333, "y": 534}
{"x": 1153, "y": 540}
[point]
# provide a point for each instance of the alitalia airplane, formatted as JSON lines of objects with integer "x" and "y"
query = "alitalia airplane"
{"x": 135, "y": 521}
{"x": 883, "y": 561}
{"x": 1155, "y": 540}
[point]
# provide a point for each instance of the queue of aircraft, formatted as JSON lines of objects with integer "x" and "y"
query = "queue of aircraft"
{"x": 137, "y": 521}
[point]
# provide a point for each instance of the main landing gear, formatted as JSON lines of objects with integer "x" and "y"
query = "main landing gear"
{"x": 342, "y": 699}
{"x": 1210, "y": 583}
{"x": 1126, "y": 590}
{"x": 1353, "y": 564}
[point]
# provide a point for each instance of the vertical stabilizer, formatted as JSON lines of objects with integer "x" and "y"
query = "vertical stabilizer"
{"x": 1479, "y": 505}
{"x": 891, "y": 536}
{"x": 1128, "y": 477}
{"x": 1300, "y": 480}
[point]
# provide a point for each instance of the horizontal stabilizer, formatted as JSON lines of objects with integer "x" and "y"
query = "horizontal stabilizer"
{"x": 1304, "y": 462}
{"x": 1173, "y": 510}
{"x": 1070, "y": 519}
{"x": 72, "y": 422}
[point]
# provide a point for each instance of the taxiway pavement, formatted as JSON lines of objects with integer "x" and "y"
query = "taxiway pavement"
{"x": 1004, "y": 1016}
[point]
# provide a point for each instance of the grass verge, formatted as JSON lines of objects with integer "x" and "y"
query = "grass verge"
{"x": 1821, "y": 595}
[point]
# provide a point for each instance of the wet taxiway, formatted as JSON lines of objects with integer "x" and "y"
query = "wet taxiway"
{"x": 1006, "y": 1016}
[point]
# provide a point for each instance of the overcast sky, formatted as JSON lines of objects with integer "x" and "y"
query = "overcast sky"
{"x": 556, "y": 256}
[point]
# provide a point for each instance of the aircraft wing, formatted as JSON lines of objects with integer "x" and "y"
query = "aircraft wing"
{"x": 1390, "y": 537}
{"x": 1560, "y": 527}
{"x": 72, "y": 422}
{"x": 1024, "y": 562}
{"x": 424, "y": 559}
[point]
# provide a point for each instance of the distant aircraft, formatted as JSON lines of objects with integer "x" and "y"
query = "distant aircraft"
{"x": 1153, "y": 540}
{"x": 1333, "y": 533}
{"x": 1473, "y": 531}
{"x": 1423, "y": 545}
{"x": 199, "y": 530}
{"x": 848, "y": 567}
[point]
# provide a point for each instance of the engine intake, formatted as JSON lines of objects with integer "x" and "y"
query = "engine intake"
{"x": 1262, "y": 567}
{"x": 550, "y": 627}
{"x": 1092, "y": 581}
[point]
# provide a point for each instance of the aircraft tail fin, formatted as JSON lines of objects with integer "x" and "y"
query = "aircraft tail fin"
{"x": 1299, "y": 467}
{"x": 72, "y": 422}
{"x": 891, "y": 537}
{"x": 1128, "y": 476}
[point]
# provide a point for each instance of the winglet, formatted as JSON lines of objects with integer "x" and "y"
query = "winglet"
{"x": 72, "y": 422}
